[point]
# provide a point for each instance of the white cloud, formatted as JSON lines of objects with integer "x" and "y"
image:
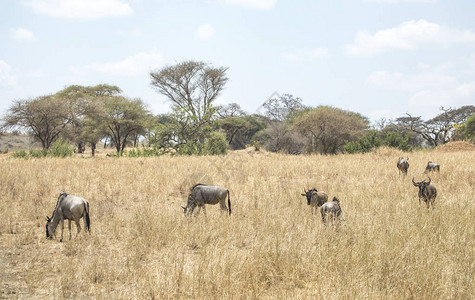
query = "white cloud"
{"x": 81, "y": 9}
{"x": 6, "y": 76}
{"x": 132, "y": 66}
{"x": 22, "y": 35}
{"x": 205, "y": 32}
{"x": 305, "y": 54}
{"x": 408, "y": 36}
{"x": 133, "y": 33}
{"x": 428, "y": 91}
{"x": 253, "y": 4}
{"x": 401, "y": 82}
{"x": 401, "y": 1}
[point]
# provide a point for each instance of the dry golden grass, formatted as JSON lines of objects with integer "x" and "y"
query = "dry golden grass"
{"x": 141, "y": 245}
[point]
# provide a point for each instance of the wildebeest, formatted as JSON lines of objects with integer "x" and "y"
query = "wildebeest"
{"x": 68, "y": 208}
{"x": 427, "y": 192}
{"x": 431, "y": 166}
{"x": 315, "y": 198}
{"x": 202, "y": 194}
{"x": 403, "y": 165}
{"x": 331, "y": 211}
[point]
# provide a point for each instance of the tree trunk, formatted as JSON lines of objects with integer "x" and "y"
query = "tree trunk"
{"x": 93, "y": 149}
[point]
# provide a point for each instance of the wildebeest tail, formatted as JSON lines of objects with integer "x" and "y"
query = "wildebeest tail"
{"x": 88, "y": 220}
{"x": 229, "y": 204}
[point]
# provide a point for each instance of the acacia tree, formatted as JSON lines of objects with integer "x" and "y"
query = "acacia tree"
{"x": 329, "y": 128}
{"x": 283, "y": 107}
{"x": 86, "y": 103}
{"x": 45, "y": 117}
{"x": 240, "y": 130}
{"x": 230, "y": 110}
{"x": 121, "y": 118}
{"x": 192, "y": 87}
{"x": 438, "y": 130}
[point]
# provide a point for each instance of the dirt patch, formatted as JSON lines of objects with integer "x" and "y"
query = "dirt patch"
{"x": 456, "y": 146}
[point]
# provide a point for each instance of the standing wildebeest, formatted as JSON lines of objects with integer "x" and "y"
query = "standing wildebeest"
{"x": 403, "y": 165}
{"x": 207, "y": 194}
{"x": 70, "y": 208}
{"x": 427, "y": 192}
{"x": 432, "y": 167}
{"x": 331, "y": 211}
{"x": 315, "y": 198}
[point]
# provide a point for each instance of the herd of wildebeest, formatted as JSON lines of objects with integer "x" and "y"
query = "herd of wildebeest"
{"x": 73, "y": 208}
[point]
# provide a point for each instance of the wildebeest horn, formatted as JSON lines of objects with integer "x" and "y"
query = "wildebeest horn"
{"x": 429, "y": 178}
{"x": 413, "y": 182}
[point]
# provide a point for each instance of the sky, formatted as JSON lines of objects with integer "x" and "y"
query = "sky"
{"x": 380, "y": 58}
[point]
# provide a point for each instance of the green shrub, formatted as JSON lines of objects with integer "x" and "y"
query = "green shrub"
{"x": 374, "y": 139}
{"x": 216, "y": 144}
{"x": 190, "y": 148}
{"x": 365, "y": 143}
{"x": 397, "y": 140}
{"x": 20, "y": 154}
{"x": 61, "y": 148}
{"x": 38, "y": 153}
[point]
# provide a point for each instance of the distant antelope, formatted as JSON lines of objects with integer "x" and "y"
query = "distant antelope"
{"x": 331, "y": 211}
{"x": 68, "y": 208}
{"x": 431, "y": 166}
{"x": 403, "y": 165}
{"x": 315, "y": 198}
{"x": 427, "y": 192}
{"x": 207, "y": 194}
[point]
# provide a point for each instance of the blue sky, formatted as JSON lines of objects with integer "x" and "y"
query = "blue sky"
{"x": 381, "y": 58}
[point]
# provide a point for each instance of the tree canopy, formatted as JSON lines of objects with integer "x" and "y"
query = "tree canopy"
{"x": 329, "y": 128}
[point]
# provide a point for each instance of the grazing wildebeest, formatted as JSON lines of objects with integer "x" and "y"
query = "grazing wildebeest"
{"x": 431, "y": 166}
{"x": 70, "y": 208}
{"x": 427, "y": 192}
{"x": 403, "y": 165}
{"x": 202, "y": 194}
{"x": 331, "y": 211}
{"x": 315, "y": 198}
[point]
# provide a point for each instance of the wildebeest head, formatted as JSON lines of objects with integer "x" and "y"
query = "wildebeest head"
{"x": 309, "y": 194}
{"x": 190, "y": 206}
{"x": 422, "y": 185}
{"x": 49, "y": 234}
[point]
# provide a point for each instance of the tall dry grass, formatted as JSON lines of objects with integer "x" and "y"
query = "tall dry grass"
{"x": 141, "y": 245}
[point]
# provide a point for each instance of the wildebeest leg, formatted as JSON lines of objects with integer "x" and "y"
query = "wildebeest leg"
{"x": 204, "y": 209}
{"x": 69, "y": 225}
{"x": 428, "y": 203}
{"x": 62, "y": 228}
{"x": 222, "y": 203}
{"x": 78, "y": 225}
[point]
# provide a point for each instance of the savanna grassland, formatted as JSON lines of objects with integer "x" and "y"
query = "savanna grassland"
{"x": 141, "y": 246}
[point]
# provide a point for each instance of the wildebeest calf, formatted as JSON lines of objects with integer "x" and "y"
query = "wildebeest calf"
{"x": 201, "y": 194}
{"x": 431, "y": 166}
{"x": 331, "y": 211}
{"x": 315, "y": 198}
{"x": 427, "y": 192}
{"x": 403, "y": 165}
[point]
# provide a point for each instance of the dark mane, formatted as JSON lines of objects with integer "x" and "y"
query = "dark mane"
{"x": 197, "y": 185}
{"x": 60, "y": 197}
